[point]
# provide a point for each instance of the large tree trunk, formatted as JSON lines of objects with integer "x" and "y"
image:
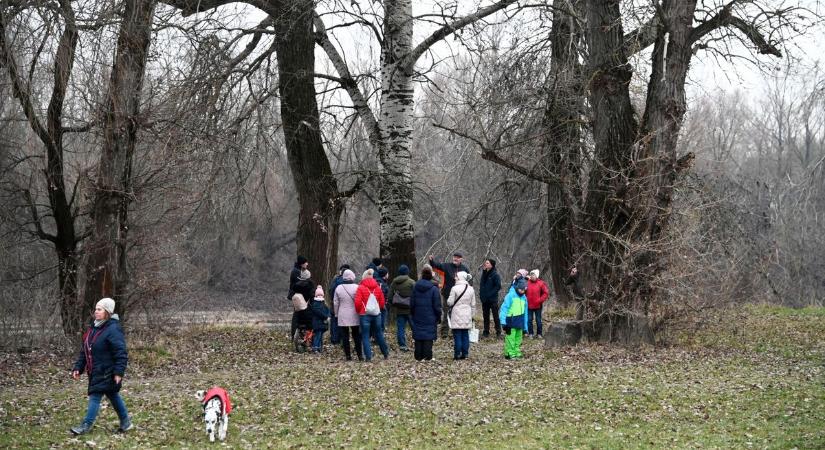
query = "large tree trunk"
{"x": 394, "y": 148}
{"x": 65, "y": 238}
{"x": 607, "y": 213}
{"x": 318, "y": 195}
{"x": 106, "y": 271}
{"x": 562, "y": 152}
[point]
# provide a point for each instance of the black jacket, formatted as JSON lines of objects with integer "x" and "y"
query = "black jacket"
{"x": 490, "y": 285}
{"x": 449, "y": 270}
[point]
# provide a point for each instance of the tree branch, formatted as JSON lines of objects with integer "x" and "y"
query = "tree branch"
{"x": 346, "y": 80}
{"x": 36, "y": 219}
{"x": 725, "y": 18}
{"x": 491, "y": 155}
{"x": 452, "y": 27}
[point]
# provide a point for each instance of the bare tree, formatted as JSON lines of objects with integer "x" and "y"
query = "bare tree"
{"x": 61, "y": 211}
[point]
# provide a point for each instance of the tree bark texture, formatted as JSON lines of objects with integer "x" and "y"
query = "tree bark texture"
{"x": 394, "y": 148}
{"x": 607, "y": 213}
{"x": 318, "y": 195}
{"x": 65, "y": 238}
{"x": 106, "y": 269}
{"x": 563, "y": 146}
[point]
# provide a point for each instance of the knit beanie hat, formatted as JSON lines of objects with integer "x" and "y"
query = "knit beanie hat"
{"x": 348, "y": 275}
{"x": 319, "y": 292}
{"x": 403, "y": 270}
{"x": 382, "y": 272}
{"x": 523, "y": 272}
{"x": 521, "y": 284}
{"x": 305, "y": 275}
{"x": 462, "y": 276}
{"x": 534, "y": 273}
{"x": 367, "y": 274}
{"x": 107, "y": 304}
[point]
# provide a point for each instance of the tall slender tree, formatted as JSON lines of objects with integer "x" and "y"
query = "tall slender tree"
{"x": 105, "y": 252}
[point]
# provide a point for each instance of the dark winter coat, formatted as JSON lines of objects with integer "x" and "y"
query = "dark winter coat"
{"x": 305, "y": 288}
{"x": 102, "y": 356}
{"x": 294, "y": 276}
{"x": 425, "y": 310}
{"x": 403, "y": 285}
{"x": 385, "y": 289}
{"x": 490, "y": 286}
{"x": 449, "y": 270}
{"x": 320, "y": 314}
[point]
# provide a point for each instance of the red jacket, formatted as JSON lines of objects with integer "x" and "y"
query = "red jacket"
{"x": 221, "y": 393}
{"x": 537, "y": 293}
{"x": 363, "y": 294}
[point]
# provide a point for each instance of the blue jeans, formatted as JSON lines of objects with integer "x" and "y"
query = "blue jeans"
{"x": 461, "y": 343}
{"x": 401, "y": 321}
{"x": 537, "y": 314}
{"x": 334, "y": 333}
{"x": 94, "y": 407}
{"x": 375, "y": 331}
{"x": 317, "y": 339}
{"x": 372, "y": 323}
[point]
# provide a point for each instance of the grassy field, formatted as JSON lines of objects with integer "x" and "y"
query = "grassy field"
{"x": 757, "y": 381}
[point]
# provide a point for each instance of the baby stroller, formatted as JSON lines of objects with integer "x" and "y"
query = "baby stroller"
{"x": 302, "y": 339}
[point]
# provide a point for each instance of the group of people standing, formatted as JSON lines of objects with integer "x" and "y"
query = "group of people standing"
{"x": 360, "y": 308}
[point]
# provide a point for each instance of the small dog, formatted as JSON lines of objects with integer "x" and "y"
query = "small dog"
{"x": 216, "y": 409}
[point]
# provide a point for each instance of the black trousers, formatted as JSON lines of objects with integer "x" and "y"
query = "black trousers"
{"x": 423, "y": 350}
{"x": 356, "y": 336}
{"x": 488, "y": 308}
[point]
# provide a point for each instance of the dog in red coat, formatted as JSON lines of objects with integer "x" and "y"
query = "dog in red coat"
{"x": 216, "y": 409}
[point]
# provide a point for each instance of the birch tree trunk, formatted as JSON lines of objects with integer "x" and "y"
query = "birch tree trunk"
{"x": 395, "y": 140}
{"x": 106, "y": 269}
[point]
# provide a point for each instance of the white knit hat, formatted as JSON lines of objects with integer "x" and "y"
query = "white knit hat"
{"x": 107, "y": 304}
{"x": 534, "y": 273}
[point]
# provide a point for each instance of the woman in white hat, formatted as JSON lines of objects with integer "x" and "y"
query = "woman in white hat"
{"x": 104, "y": 358}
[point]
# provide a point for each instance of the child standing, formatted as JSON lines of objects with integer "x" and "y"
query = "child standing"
{"x": 320, "y": 314}
{"x": 513, "y": 316}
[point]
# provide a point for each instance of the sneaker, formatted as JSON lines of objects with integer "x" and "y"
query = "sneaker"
{"x": 126, "y": 426}
{"x": 83, "y": 428}
{"x": 538, "y": 336}
{"x": 404, "y": 349}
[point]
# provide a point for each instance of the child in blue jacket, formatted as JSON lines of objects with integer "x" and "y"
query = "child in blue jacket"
{"x": 513, "y": 317}
{"x": 320, "y": 314}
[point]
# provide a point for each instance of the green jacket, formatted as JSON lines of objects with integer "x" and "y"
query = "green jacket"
{"x": 403, "y": 285}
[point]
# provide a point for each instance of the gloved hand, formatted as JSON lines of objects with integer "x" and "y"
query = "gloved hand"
{"x": 506, "y": 330}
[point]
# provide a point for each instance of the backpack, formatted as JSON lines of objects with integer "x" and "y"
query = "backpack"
{"x": 398, "y": 300}
{"x": 372, "y": 308}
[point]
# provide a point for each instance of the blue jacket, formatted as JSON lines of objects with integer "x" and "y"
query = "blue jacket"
{"x": 511, "y": 297}
{"x": 320, "y": 314}
{"x": 490, "y": 285}
{"x": 103, "y": 355}
{"x": 425, "y": 310}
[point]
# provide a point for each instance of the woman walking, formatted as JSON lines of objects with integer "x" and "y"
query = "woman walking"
{"x": 462, "y": 303}
{"x": 425, "y": 311}
{"x": 343, "y": 303}
{"x": 103, "y": 357}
